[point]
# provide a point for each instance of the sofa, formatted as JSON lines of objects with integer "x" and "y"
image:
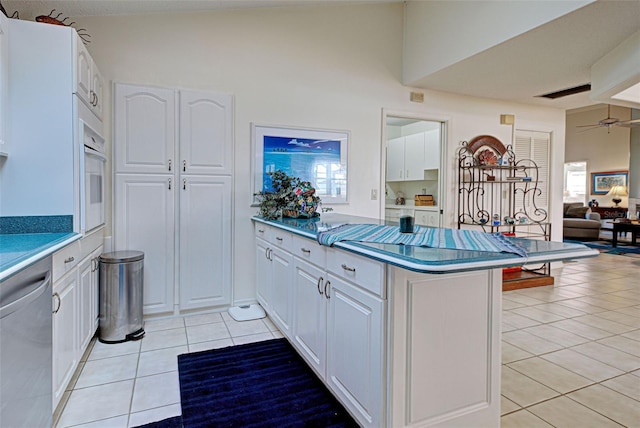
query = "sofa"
{"x": 579, "y": 222}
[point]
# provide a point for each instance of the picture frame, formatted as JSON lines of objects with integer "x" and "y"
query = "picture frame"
{"x": 602, "y": 182}
{"x": 319, "y": 156}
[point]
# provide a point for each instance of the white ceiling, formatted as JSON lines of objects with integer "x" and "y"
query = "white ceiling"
{"x": 554, "y": 56}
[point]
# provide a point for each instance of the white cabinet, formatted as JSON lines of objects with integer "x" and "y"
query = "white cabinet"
{"x": 144, "y": 220}
{"x": 338, "y": 325}
{"x": 89, "y": 81}
{"x": 88, "y": 297}
{"x": 414, "y": 157}
{"x": 173, "y": 165}
{"x": 65, "y": 336}
{"x": 355, "y": 349}
{"x": 4, "y": 82}
{"x": 75, "y": 306}
{"x": 274, "y": 275}
{"x": 144, "y": 130}
{"x": 408, "y": 157}
{"x": 427, "y": 217}
{"x": 205, "y": 256}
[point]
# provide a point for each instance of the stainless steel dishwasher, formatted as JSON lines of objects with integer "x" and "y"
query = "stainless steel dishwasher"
{"x": 25, "y": 348}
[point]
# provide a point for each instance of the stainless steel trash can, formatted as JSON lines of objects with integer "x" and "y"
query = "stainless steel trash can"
{"x": 121, "y": 285}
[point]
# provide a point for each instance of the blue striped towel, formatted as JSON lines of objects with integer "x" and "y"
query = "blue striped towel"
{"x": 454, "y": 239}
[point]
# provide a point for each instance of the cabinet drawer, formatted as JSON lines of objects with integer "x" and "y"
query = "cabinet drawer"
{"x": 262, "y": 231}
{"x": 66, "y": 259}
{"x": 309, "y": 250}
{"x": 281, "y": 239}
{"x": 368, "y": 274}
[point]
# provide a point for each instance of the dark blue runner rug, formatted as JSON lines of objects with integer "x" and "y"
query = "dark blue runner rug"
{"x": 263, "y": 384}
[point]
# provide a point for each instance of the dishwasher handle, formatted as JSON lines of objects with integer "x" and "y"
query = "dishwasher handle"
{"x": 38, "y": 287}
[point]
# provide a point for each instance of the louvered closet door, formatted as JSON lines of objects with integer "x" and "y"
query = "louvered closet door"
{"x": 533, "y": 145}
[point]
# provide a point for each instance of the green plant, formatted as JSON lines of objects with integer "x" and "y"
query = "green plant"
{"x": 291, "y": 197}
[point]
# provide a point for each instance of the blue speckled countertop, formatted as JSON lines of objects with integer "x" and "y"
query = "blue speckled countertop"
{"x": 432, "y": 260}
{"x": 25, "y": 240}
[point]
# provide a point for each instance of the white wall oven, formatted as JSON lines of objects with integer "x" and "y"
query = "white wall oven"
{"x": 92, "y": 178}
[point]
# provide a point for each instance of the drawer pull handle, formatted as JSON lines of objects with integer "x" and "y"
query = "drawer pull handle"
{"x": 260, "y": 230}
{"x": 350, "y": 269}
{"x": 57, "y": 296}
{"x": 69, "y": 259}
{"x": 327, "y": 286}
{"x": 278, "y": 238}
{"x": 318, "y": 285}
{"x": 304, "y": 250}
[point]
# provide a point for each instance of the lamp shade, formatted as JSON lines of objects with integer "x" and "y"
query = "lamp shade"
{"x": 618, "y": 191}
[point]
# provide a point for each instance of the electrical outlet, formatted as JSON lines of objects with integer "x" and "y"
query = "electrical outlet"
{"x": 374, "y": 194}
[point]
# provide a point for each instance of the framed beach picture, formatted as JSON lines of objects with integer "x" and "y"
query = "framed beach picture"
{"x": 602, "y": 182}
{"x": 314, "y": 155}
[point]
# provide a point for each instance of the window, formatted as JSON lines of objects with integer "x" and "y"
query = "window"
{"x": 575, "y": 182}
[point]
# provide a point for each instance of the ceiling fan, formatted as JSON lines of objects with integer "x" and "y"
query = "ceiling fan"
{"x": 610, "y": 122}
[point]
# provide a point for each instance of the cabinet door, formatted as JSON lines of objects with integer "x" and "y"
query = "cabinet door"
{"x": 414, "y": 157}
{"x": 86, "y": 322}
{"x": 310, "y": 314}
{"x": 355, "y": 345}
{"x": 65, "y": 333}
{"x": 432, "y": 149}
{"x": 206, "y": 144}
{"x": 144, "y": 221}
{"x": 83, "y": 72}
{"x": 144, "y": 129}
{"x": 205, "y": 237}
{"x": 97, "y": 86}
{"x": 281, "y": 289}
{"x": 263, "y": 274}
{"x": 395, "y": 159}
{"x": 428, "y": 218}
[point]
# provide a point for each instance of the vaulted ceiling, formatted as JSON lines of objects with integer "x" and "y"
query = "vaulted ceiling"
{"x": 554, "y": 56}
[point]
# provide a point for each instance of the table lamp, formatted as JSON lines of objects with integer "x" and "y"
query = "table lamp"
{"x": 618, "y": 191}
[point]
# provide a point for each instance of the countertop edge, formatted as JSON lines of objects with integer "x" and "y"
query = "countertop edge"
{"x": 38, "y": 256}
{"x": 440, "y": 268}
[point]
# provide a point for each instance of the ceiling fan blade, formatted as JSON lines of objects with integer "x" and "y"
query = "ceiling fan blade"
{"x": 588, "y": 129}
{"x": 584, "y": 126}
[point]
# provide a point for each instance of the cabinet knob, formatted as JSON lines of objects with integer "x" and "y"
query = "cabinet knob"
{"x": 169, "y": 184}
{"x": 184, "y": 184}
{"x": 184, "y": 166}
{"x": 169, "y": 164}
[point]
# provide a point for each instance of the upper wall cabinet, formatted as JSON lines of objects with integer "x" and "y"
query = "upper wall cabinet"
{"x": 408, "y": 157}
{"x": 146, "y": 130}
{"x": 205, "y": 130}
{"x": 4, "y": 81}
{"x": 89, "y": 81}
{"x": 201, "y": 117}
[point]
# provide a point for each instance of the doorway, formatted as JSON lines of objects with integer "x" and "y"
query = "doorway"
{"x": 412, "y": 173}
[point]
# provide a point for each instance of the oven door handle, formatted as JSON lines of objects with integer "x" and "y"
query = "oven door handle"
{"x": 89, "y": 151}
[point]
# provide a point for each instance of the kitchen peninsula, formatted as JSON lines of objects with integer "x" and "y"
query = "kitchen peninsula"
{"x": 402, "y": 335}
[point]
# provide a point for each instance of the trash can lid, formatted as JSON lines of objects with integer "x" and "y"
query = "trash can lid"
{"x": 122, "y": 256}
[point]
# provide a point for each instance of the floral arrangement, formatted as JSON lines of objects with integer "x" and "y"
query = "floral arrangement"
{"x": 290, "y": 197}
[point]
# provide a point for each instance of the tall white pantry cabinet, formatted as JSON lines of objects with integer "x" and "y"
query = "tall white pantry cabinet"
{"x": 172, "y": 195}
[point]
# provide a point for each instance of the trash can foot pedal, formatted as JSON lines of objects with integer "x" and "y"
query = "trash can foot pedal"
{"x": 136, "y": 335}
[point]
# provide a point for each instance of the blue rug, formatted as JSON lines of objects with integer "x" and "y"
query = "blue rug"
{"x": 605, "y": 247}
{"x": 263, "y": 384}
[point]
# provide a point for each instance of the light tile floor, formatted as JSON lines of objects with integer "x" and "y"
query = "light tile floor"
{"x": 570, "y": 354}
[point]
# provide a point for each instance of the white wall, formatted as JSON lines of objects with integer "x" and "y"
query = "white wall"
{"x": 603, "y": 149}
{"x": 440, "y": 33}
{"x": 333, "y": 67}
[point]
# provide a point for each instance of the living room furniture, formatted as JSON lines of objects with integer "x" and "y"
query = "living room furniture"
{"x": 579, "y": 222}
{"x": 625, "y": 227}
{"x": 610, "y": 212}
